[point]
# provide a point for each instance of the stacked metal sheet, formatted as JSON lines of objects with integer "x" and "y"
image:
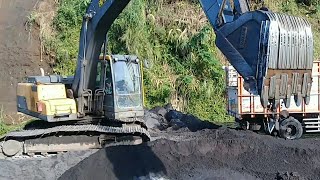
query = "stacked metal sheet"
{"x": 286, "y": 48}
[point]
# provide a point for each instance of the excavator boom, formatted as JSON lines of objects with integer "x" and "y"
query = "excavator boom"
{"x": 271, "y": 51}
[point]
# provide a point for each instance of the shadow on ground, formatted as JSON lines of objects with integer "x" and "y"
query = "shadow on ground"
{"x": 119, "y": 162}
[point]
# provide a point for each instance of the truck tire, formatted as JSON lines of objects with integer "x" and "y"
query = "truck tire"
{"x": 290, "y": 128}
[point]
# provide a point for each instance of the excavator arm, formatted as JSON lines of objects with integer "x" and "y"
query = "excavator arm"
{"x": 271, "y": 51}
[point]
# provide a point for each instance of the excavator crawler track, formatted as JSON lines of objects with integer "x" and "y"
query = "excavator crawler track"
{"x": 30, "y": 143}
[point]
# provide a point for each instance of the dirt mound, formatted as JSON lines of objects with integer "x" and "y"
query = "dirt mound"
{"x": 20, "y": 53}
{"x": 206, "y": 154}
{"x": 166, "y": 118}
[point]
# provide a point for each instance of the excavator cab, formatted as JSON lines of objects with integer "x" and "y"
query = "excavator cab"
{"x": 119, "y": 82}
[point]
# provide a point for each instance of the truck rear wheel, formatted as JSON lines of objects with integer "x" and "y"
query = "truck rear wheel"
{"x": 290, "y": 128}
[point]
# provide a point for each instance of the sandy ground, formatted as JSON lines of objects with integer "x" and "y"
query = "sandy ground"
{"x": 41, "y": 168}
{"x": 205, "y": 154}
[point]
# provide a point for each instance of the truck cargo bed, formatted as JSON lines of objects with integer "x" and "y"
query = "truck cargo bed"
{"x": 245, "y": 106}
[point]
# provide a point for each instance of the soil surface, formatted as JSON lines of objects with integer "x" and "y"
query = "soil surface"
{"x": 19, "y": 50}
{"x": 206, "y": 154}
{"x": 41, "y": 168}
{"x": 182, "y": 147}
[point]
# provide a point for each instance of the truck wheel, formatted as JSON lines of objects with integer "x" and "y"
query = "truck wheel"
{"x": 244, "y": 125}
{"x": 290, "y": 128}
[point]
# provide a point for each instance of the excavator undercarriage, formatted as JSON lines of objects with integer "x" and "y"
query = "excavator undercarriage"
{"x": 40, "y": 138}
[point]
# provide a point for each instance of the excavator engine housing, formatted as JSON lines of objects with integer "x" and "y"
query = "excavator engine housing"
{"x": 46, "y": 101}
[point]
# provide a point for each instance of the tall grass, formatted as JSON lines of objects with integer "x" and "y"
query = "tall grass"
{"x": 5, "y": 128}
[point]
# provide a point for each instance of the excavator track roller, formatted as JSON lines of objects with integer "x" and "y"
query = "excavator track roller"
{"x": 11, "y": 147}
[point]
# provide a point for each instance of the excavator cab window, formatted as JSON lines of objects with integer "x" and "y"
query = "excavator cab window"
{"x": 101, "y": 69}
{"x": 99, "y": 72}
{"x": 127, "y": 80}
{"x": 108, "y": 81}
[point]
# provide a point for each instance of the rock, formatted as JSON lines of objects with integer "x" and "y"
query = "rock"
{"x": 168, "y": 107}
{"x": 289, "y": 176}
{"x": 173, "y": 115}
{"x": 176, "y": 124}
{"x": 159, "y": 111}
{"x": 151, "y": 120}
{"x": 152, "y": 123}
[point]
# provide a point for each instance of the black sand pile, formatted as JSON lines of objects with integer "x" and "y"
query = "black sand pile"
{"x": 182, "y": 147}
{"x": 167, "y": 119}
{"x": 206, "y": 154}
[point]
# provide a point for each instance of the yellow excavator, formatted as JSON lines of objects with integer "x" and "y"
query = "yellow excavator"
{"x": 103, "y": 102}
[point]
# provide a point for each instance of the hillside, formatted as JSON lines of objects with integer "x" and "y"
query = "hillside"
{"x": 173, "y": 35}
{"x": 20, "y": 53}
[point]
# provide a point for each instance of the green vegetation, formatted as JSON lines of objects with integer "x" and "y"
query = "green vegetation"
{"x": 178, "y": 42}
{"x": 4, "y": 128}
{"x": 186, "y": 66}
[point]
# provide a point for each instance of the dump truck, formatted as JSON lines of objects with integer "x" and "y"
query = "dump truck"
{"x": 249, "y": 114}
